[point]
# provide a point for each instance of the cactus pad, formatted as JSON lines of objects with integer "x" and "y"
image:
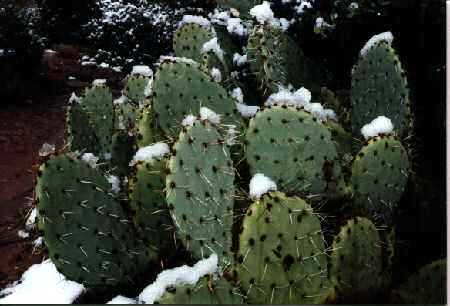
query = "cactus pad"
{"x": 294, "y": 149}
{"x": 189, "y": 39}
{"x": 200, "y": 191}
{"x": 148, "y": 131}
{"x": 379, "y": 176}
{"x": 122, "y": 151}
{"x": 356, "y": 261}
{"x": 282, "y": 258}
{"x": 137, "y": 89}
{"x": 380, "y": 88}
{"x": 79, "y": 131}
{"x": 181, "y": 89}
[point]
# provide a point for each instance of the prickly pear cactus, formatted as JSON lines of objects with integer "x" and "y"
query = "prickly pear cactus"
{"x": 181, "y": 89}
{"x": 206, "y": 291}
{"x": 147, "y": 199}
{"x": 427, "y": 286}
{"x": 97, "y": 102}
{"x": 282, "y": 258}
{"x": 356, "y": 261}
{"x": 137, "y": 89}
{"x": 200, "y": 191}
{"x": 148, "y": 131}
{"x": 379, "y": 176}
{"x": 189, "y": 39}
{"x": 85, "y": 229}
{"x": 122, "y": 151}
{"x": 241, "y": 6}
{"x": 380, "y": 88}
{"x": 80, "y": 134}
{"x": 125, "y": 115}
{"x": 295, "y": 150}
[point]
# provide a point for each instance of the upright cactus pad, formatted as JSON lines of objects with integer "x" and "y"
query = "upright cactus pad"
{"x": 356, "y": 261}
{"x": 189, "y": 39}
{"x": 200, "y": 191}
{"x": 282, "y": 258}
{"x": 147, "y": 199}
{"x": 206, "y": 291}
{"x": 125, "y": 116}
{"x": 137, "y": 89}
{"x": 122, "y": 151}
{"x": 427, "y": 286}
{"x": 148, "y": 131}
{"x": 97, "y": 102}
{"x": 85, "y": 230}
{"x": 380, "y": 88}
{"x": 181, "y": 89}
{"x": 379, "y": 176}
{"x": 295, "y": 150}
{"x": 80, "y": 134}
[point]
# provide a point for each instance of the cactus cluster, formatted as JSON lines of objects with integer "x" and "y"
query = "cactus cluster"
{"x": 188, "y": 183}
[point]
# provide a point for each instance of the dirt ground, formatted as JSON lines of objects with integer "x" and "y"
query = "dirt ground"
{"x": 24, "y": 127}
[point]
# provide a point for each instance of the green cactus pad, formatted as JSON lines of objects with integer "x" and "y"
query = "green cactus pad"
{"x": 136, "y": 89}
{"x": 427, "y": 286}
{"x": 206, "y": 291}
{"x": 200, "y": 191}
{"x": 356, "y": 264}
{"x": 148, "y": 131}
{"x": 80, "y": 134}
{"x": 85, "y": 230}
{"x": 379, "y": 176}
{"x": 181, "y": 89}
{"x": 282, "y": 258}
{"x": 122, "y": 151}
{"x": 125, "y": 116}
{"x": 242, "y": 6}
{"x": 97, "y": 102}
{"x": 380, "y": 88}
{"x": 189, "y": 39}
{"x": 293, "y": 149}
{"x": 147, "y": 199}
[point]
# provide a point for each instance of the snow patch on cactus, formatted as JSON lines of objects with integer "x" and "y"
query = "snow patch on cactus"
{"x": 385, "y": 36}
{"x": 123, "y": 99}
{"x": 47, "y": 149}
{"x": 378, "y": 126}
{"x": 263, "y": 12}
{"x": 216, "y": 75}
{"x": 42, "y": 284}
{"x": 260, "y": 185}
{"x": 74, "y": 99}
{"x": 201, "y": 21}
{"x": 184, "y": 275}
{"x": 99, "y": 82}
{"x": 235, "y": 26}
{"x": 148, "y": 154}
{"x": 247, "y": 111}
{"x": 121, "y": 300}
{"x": 213, "y": 45}
{"x": 317, "y": 110}
{"x": 142, "y": 70}
{"x": 211, "y": 116}
{"x": 237, "y": 94}
{"x": 90, "y": 159}
{"x": 184, "y": 60}
{"x": 285, "y": 96}
{"x": 31, "y": 220}
{"x": 240, "y": 60}
{"x": 115, "y": 183}
{"x": 188, "y": 120}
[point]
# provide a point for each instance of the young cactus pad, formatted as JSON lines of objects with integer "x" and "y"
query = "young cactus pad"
{"x": 380, "y": 88}
{"x": 282, "y": 257}
{"x": 200, "y": 191}
{"x": 181, "y": 89}
{"x": 379, "y": 176}
{"x": 294, "y": 149}
{"x": 148, "y": 131}
{"x": 85, "y": 230}
{"x": 137, "y": 89}
{"x": 189, "y": 39}
{"x": 206, "y": 291}
{"x": 356, "y": 261}
{"x": 79, "y": 130}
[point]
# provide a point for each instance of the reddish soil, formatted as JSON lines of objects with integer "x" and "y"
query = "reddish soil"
{"x": 24, "y": 127}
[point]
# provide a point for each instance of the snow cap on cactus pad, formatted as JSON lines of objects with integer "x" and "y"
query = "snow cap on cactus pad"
{"x": 285, "y": 96}
{"x": 260, "y": 185}
{"x": 193, "y": 19}
{"x": 281, "y": 244}
{"x": 200, "y": 191}
{"x": 376, "y": 39}
{"x": 379, "y": 126}
{"x": 263, "y": 13}
{"x": 142, "y": 70}
{"x": 149, "y": 153}
{"x": 212, "y": 45}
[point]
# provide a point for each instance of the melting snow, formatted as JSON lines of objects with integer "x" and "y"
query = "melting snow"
{"x": 385, "y": 36}
{"x": 378, "y": 126}
{"x": 148, "y": 154}
{"x": 207, "y": 114}
{"x": 260, "y": 185}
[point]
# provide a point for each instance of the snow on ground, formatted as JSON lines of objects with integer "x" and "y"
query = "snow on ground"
{"x": 42, "y": 284}
{"x": 211, "y": 116}
{"x": 378, "y": 126}
{"x": 23, "y": 234}
{"x": 147, "y": 154}
{"x": 385, "y": 36}
{"x": 47, "y": 149}
{"x": 74, "y": 99}
{"x": 260, "y": 185}
{"x": 31, "y": 220}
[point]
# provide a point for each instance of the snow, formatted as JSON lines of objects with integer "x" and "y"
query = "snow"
{"x": 188, "y": 120}
{"x": 47, "y": 149}
{"x": 260, "y": 185}
{"x": 238, "y": 95}
{"x": 176, "y": 60}
{"x": 378, "y": 126}
{"x": 121, "y": 100}
{"x": 247, "y": 111}
{"x": 142, "y": 70}
{"x": 263, "y": 13}
{"x": 149, "y": 88}
{"x": 115, "y": 183}
{"x": 211, "y": 116}
{"x": 121, "y": 300}
{"x": 22, "y": 234}
{"x": 235, "y": 26}
{"x": 148, "y": 154}
{"x": 90, "y": 159}
{"x": 385, "y": 36}
{"x": 31, "y": 220}
{"x": 74, "y": 98}
{"x": 283, "y": 24}
{"x": 42, "y": 284}
{"x": 302, "y": 6}
{"x": 201, "y": 21}
{"x": 99, "y": 82}
{"x": 216, "y": 75}
{"x": 239, "y": 60}
{"x": 213, "y": 45}
{"x": 184, "y": 275}
{"x": 38, "y": 242}
{"x": 285, "y": 96}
